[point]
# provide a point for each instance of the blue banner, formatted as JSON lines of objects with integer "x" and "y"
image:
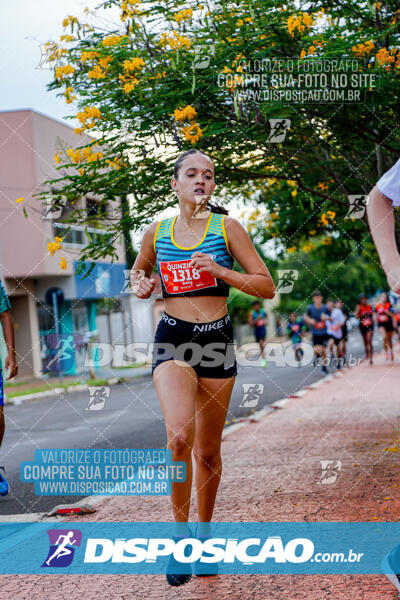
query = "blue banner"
{"x": 114, "y": 472}
{"x": 105, "y": 280}
{"x": 236, "y": 547}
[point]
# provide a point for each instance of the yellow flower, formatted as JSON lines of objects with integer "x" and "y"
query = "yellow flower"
{"x": 183, "y": 15}
{"x": 19, "y": 200}
{"x": 105, "y": 60}
{"x": 67, "y": 38}
{"x": 133, "y": 64}
{"x": 299, "y": 22}
{"x": 303, "y": 53}
{"x": 291, "y": 249}
{"x": 63, "y": 263}
{"x": 294, "y": 193}
{"x": 188, "y": 112}
{"x": 81, "y": 171}
{"x": 65, "y": 70}
{"x": 112, "y": 40}
{"x": 363, "y": 48}
{"x": 189, "y": 132}
{"x": 57, "y": 158}
{"x": 89, "y": 55}
{"x": 177, "y": 41}
{"x": 96, "y": 73}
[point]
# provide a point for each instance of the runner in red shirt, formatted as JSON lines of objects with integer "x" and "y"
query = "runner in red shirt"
{"x": 364, "y": 313}
{"x": 384, "y": 317}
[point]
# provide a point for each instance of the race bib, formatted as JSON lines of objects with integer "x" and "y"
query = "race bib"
{"x": 260, "y": 322}
{"x": 382, "y": 318}
{"x": 178, "y": 276}
{"x": 295, "y": 327}
{"x": 319, "y": 325}
{"x": 367, "y": 321}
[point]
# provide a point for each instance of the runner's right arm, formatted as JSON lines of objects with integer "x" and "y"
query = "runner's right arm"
{"x": 142, "y": 268}
{"x": 381, "y": 223}
{"x": 309, "y": 320}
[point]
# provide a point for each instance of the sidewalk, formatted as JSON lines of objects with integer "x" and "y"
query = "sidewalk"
{"x": 354, "y": 418}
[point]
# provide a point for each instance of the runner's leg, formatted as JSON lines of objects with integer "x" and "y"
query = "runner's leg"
{"x": 176, "y": 389}
{"x": 383, "y": 333}
{"x": 368, "y": 343}
{"x": 211, "y": 406}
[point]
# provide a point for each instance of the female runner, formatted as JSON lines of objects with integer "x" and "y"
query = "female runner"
{"x": 194, "y": 252}
{"x": 384, "y": 317}
{"x": 364, "y": 314}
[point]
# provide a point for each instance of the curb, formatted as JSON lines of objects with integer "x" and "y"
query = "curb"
{"x": 80, "y": 387}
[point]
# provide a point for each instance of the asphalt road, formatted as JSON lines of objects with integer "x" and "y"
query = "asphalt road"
{"x": 131, "y": 418}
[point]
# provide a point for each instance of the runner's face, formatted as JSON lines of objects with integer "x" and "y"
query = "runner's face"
{"x": 196, "y": 171}
{"x": 317, "y": 300}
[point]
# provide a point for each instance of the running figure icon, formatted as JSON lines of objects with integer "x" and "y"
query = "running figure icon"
{"x": 62, "y": 550}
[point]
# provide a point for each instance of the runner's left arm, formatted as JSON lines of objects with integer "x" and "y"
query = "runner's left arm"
{"x": 257, "y": 280}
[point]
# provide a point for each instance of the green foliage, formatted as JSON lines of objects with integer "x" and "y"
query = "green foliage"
{"x": 331, "y": 150}
{"x": 346, "y": 278}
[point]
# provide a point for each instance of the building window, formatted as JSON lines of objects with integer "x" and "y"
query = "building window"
{"x": 74, "y": 237}
{"x": 96, "y": 209}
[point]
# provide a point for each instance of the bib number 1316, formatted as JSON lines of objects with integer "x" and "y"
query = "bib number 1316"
{"x": 179, "y": 276}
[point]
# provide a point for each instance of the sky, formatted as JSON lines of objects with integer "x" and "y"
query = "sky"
{"x": 25, "y": 25}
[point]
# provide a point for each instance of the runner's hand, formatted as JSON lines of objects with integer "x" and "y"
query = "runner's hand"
{"x": 11, "y": 366}
{"x": 204, "y": 262}
{"x": 142, "y": 288}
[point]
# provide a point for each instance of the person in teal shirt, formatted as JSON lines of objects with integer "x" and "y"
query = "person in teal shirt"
{"x": 10, "y": 365}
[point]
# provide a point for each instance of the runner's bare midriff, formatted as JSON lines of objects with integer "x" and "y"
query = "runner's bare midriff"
{"x": 200, "y": 309}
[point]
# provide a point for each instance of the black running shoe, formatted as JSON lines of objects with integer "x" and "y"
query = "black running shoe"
{"x": 179, "y": 573}
{"x": 202, "y": 569}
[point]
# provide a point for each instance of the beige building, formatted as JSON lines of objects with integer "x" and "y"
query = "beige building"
{"x": 29, "y": 141}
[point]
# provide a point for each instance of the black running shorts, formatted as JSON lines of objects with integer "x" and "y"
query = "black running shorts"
{"x": 319, "y": 339}
{"x": 207, "y": 347}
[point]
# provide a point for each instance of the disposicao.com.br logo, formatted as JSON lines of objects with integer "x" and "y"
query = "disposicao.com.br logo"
{"x": 217, "y": 550}
{"x": 237, "y": 547}
{"x": 62, "y": 547}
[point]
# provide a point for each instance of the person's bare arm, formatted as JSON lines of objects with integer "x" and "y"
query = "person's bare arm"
{"x": 257, "y": 280}
{"x": 8, "y": 328}
{"x": 141, "y": 282}
{"x": 309, "y": 320}
{"x": 251, "y": 321}
{"x": 381, "y": 223}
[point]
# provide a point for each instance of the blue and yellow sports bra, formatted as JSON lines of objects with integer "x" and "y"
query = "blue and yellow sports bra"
{"x": 177, "y": 277}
